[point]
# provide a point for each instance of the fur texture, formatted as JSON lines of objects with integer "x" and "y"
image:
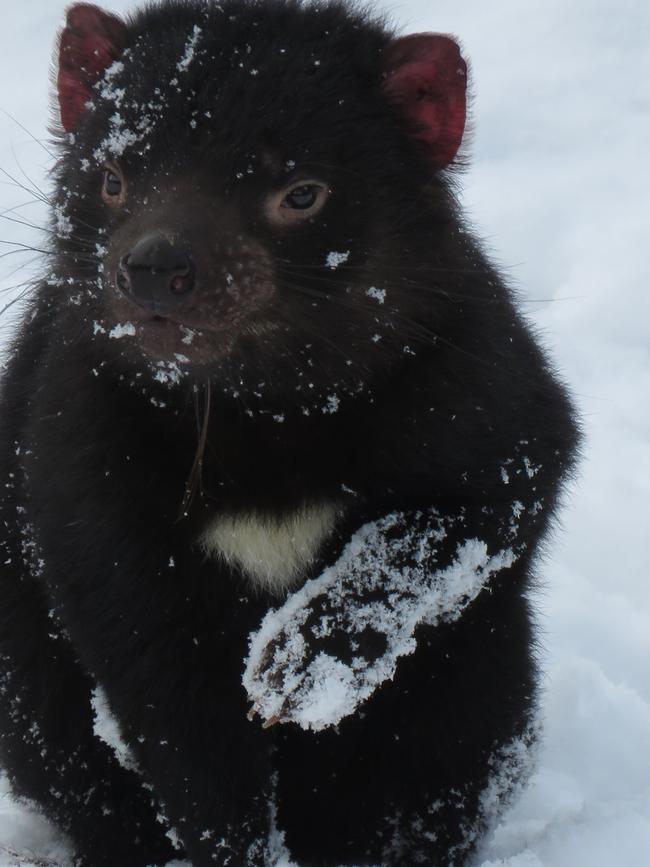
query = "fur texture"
{"x": 325, "y": 330}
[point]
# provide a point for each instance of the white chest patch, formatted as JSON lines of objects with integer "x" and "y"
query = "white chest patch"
{"x": 272, "y": 551}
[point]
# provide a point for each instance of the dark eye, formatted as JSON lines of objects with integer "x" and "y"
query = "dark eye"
{"x": 296, "y": 204}
{"x": 112, "y": 184}
{"x": 301, "y": 198}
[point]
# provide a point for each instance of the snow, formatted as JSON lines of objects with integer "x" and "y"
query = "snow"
{"x": 378, "y": 294}
{"x": 126, "y": 329}
{"x": 167, "y": 372}
{"x": 63, "y": 223}
{"x": 188, "y": 55}
{"x": 334, "y": 259}
{"x": 106, "y": 87}
{"x": 331, "y": 404}
{"x": 107, "y": 729}
{"x": 559, "y": 184}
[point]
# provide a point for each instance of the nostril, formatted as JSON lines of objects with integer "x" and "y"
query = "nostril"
{"x": 183, "y": 281}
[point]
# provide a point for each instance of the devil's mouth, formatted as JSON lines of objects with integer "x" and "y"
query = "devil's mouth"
{"x": 196, "y": 333}
{"x": 162, "y": 323}
{"x": 169, "y": 339}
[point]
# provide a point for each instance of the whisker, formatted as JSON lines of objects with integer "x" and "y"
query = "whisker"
{"x": 29, "y": 225}
{"x": 47, "y": 231}
{"x": 33, "y": 191}
{"x": 14, "y": 286}
{"x": 30, "y": 134}
{"x": 24, "y": 173}
{"x": 15, "y": 300}
{"x": 409, "y": 326}
{"x": 399, "y": 270}
{"x": 195, "y": 479}
{"x": 18, "y": 207}
{"x": 22, "y": 248}
{"x": 400, "y": 277}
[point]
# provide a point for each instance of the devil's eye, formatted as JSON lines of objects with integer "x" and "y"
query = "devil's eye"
{"x": 297, "y": 203}
{"x": 302, "y": 198}
{"x": 112, "y": 184}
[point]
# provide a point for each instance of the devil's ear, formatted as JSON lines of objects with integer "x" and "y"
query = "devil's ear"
{"x": 90, "y": 42}
{"x": 426, "y": 78}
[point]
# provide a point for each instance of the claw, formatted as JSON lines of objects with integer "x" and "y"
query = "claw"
{"x": 252, "y": 713}
{"x": 271, "y": 721}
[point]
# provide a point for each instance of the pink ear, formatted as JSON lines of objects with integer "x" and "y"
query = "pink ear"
{"x": 90, "y": 41}
{"x": 426, "y": 77}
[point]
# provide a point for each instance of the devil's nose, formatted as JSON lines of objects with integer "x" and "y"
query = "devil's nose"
{"x": 157, "y": 274}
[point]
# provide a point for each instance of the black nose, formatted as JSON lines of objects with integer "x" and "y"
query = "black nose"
{"x": 157, "y": 274}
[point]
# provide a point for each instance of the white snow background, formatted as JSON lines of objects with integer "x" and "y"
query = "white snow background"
{"x": 559, "y": 187}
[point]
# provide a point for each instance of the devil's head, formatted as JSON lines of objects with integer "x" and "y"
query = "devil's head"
{"x": 240, "y": 182}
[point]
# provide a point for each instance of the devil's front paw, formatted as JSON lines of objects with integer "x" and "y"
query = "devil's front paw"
{"x": 337, "y": 638}
{"x": 306, "y": 667}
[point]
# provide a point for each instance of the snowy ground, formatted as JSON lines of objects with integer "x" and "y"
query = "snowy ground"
{"x": 560, "y": 187}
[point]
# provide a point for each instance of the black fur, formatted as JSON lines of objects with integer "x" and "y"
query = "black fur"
{"x": 439, "y": 395}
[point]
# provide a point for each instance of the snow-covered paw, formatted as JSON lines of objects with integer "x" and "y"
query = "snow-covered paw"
{"x": 309, "y": 661}
{"x": 318, "y": 657}
{"x": 308, "y": 678}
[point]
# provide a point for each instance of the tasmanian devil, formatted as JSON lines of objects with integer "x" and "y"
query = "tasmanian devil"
{"x": 277, "y": 454}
